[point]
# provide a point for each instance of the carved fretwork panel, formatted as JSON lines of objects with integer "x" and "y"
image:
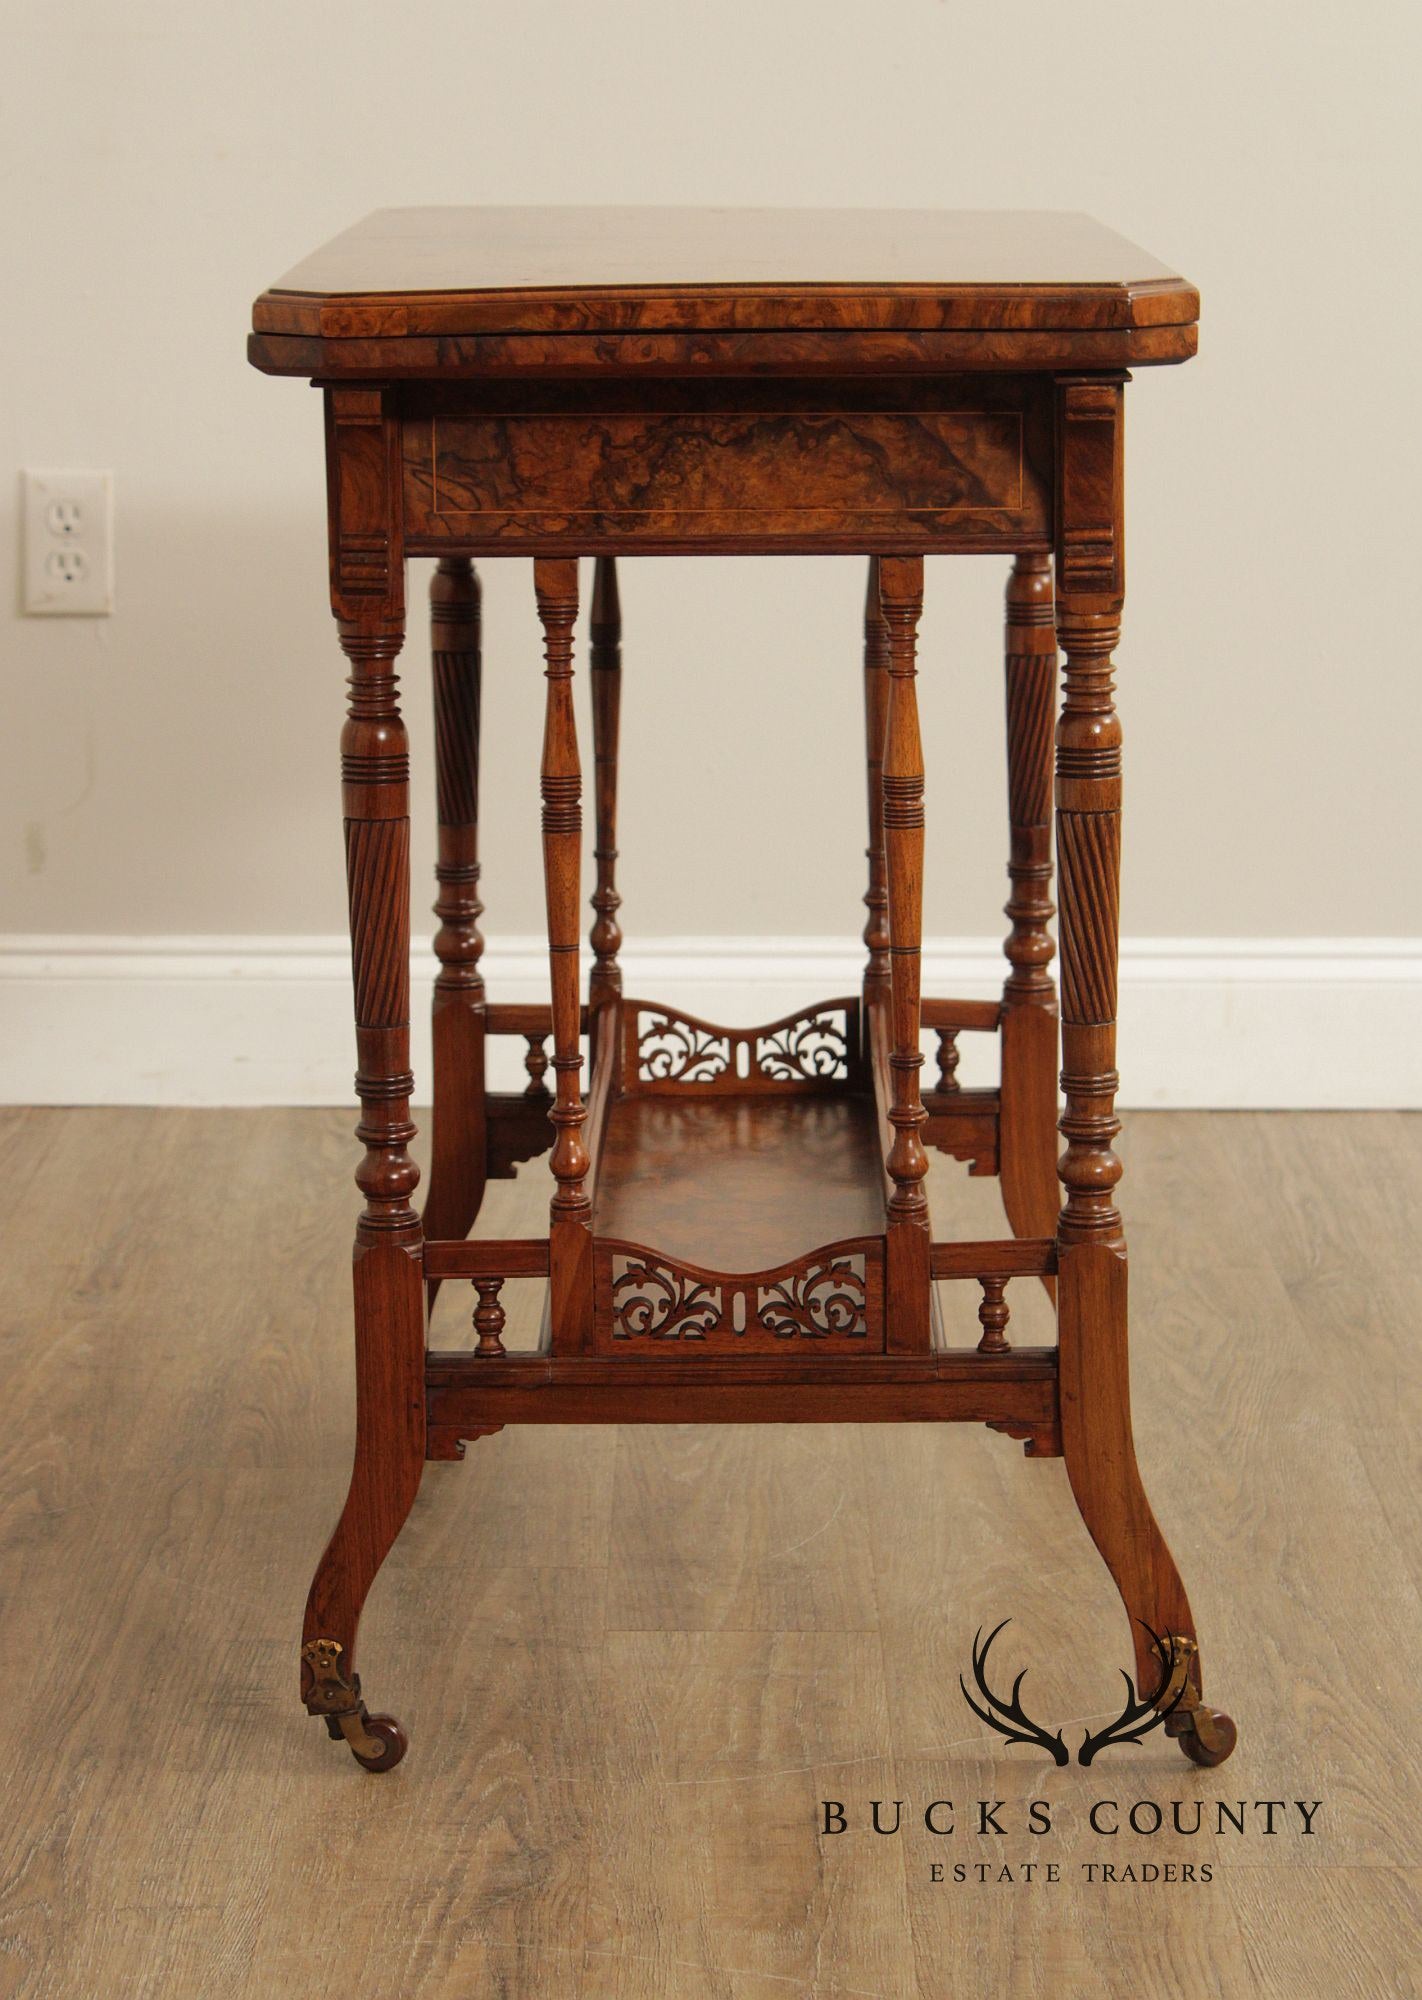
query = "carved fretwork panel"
{"x": 834, "y": 1297}
{"x": 813, "y": 1051}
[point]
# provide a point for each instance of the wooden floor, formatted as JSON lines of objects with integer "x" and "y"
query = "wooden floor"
{"x": 633, "y": 1661}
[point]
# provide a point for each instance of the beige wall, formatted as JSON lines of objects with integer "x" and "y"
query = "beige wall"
{"x": 172, "y": 769}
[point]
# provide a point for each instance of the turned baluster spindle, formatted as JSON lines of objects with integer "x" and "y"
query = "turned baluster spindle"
{"x": 489, "y": 1316}
{"x": 536, "y": 1063}
{"x": 1030, "y": 683}
{"x": 605, "y": 662}
{"x": 949, "y": 1056}
{"x": 993, "y": 1315}
{"x": 877, "y": 976}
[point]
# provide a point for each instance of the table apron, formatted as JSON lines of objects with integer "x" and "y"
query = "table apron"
{"x": 946, "y": 466}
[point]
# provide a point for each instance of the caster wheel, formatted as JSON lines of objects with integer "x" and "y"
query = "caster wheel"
{"x": 392, "y": 1739}
{"x": 1212, "y": 1738}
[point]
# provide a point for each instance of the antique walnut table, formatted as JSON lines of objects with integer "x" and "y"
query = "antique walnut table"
{"x": 738, "y": 1230}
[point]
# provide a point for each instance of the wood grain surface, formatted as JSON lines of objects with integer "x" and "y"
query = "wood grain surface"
{"x": 962, "y": 462}
{"x": 633, "y": 1661}
{"x": 514, "y": 268}
{"x": 442, "y": 291}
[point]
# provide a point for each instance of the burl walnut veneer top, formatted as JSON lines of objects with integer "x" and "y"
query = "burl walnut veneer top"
{"x": 406, "y": 273}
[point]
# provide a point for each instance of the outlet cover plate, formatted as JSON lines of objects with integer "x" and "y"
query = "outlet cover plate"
{"x": 69, "y": 544}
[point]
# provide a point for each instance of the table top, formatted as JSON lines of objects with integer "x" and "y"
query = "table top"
{"x": 453, "y": 271}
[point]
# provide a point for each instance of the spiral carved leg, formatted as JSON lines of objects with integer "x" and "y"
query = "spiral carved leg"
{"x": 1092, "y": 1347}
{"x": 387, "y": 1265}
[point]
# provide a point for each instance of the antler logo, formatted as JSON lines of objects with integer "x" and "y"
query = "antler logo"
{"x": 1008, "y": 1718}
{"x": 1137, "y": 1719}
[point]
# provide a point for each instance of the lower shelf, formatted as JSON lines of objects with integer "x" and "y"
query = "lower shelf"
{"x": 738, "y": 1199}
{"x": 737, "y": 1225}
{"x": 739, "y": 1183}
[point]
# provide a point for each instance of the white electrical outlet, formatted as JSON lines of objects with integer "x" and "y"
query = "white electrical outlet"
{"x": 69, "y": 543}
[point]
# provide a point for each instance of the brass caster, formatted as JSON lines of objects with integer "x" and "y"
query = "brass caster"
{"x": 1209, "y": 1737}
{"x": 1206, "y": 1735}
{"x": 377, "y": 1742}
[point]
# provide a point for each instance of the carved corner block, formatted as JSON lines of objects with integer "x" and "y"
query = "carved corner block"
{"x": 363, "y": 487}
{"x": 1090, "y": 466}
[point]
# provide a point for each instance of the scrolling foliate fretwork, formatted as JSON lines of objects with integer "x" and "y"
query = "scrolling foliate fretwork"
{"x": 817, "y": 1303}
{"x": 834, "y": 1294}
{"x": 672, "y": 1049}
{"x": 809, "y": 1051}
{"x": 658, "y": 1302}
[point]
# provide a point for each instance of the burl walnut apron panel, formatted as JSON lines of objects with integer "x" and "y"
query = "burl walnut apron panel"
{"x": 738, "y": 1229}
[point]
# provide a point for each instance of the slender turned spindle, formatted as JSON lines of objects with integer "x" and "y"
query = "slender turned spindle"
{"x": 1030, "y": 682}
{"x": 1089, "y": 858}
{"x": 570, "y": 1241}
{"x": 877, "y": 976}
{"x": 1027, "y": 1121}
{"x": 605, "y": 661}
{"x": 907, "y": 1245}
{"x": 993, "y": 1315}
{"x": 901, "y": 581}
{"x": 949, "y": 1056}
{"x": 458, "y": 1142}
{"x": 454, "y": 631}
{"x": 556, "y": 584}
{"x": 489, "y": 1316}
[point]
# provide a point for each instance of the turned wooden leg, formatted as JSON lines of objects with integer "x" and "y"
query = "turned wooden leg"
{"x": 368, "y": 599}
{"x": 458, "y": 1142}
{"x": 570, "y": 1224}
{"x": 1027, "y": 1132}
{"x": 1091, "y": 1287}
{"x": 907, "y": 1234}
{"x": 605, "y": 661}
{"x": 877, "y": 977}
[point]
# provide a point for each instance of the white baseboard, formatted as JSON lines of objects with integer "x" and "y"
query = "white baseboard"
{"x": 1219, "y": 1023}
